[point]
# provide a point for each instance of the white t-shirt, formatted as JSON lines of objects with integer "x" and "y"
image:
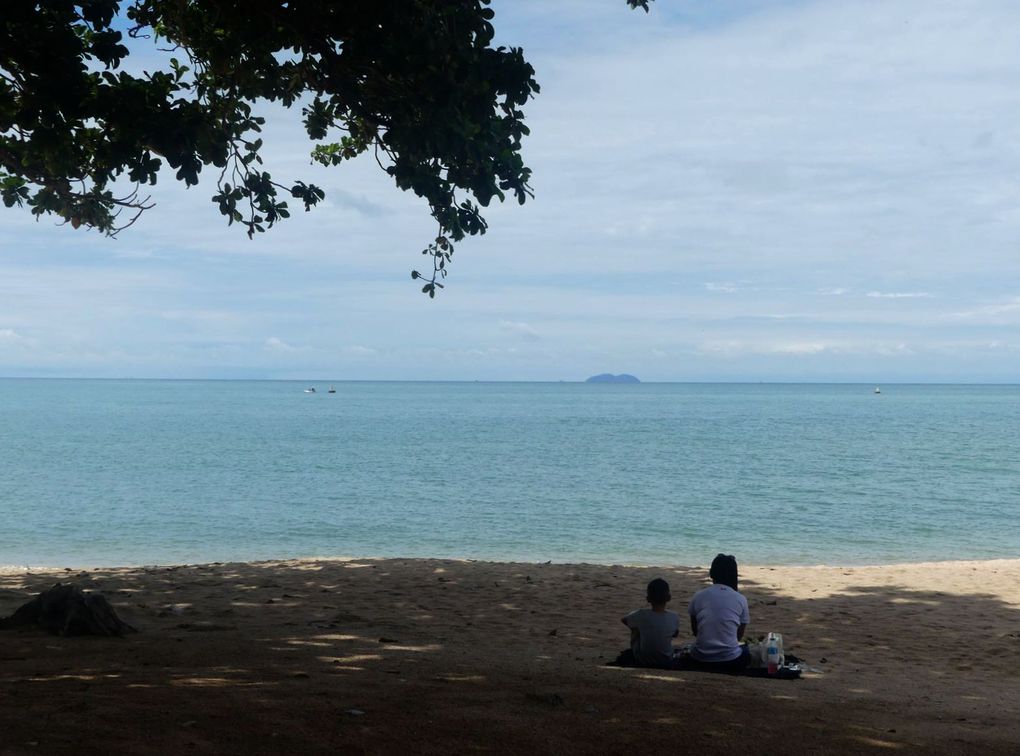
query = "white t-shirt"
{"x": 719, "y": 610}
{"x": 656, "y": 630}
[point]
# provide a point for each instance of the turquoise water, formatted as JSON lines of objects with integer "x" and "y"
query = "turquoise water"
{"x": 142, "y": 472}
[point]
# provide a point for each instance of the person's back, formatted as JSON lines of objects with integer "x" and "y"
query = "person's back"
{"x": 652, "y": 630}
{"x": 719, "y": 615}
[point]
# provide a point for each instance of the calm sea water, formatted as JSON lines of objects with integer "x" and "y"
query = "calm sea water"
{"x": 142, "y": 472}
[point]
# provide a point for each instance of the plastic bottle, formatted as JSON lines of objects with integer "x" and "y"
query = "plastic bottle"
{"x": 773, "y": 654}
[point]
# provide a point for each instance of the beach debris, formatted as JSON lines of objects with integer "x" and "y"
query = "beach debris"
{"x": 65, "y": 609}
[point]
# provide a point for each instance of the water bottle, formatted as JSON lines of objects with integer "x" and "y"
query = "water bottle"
{"x": 773, "y": 654}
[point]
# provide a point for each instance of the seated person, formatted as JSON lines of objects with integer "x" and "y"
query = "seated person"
{"x": 652, "y": 630}
{"x": 719, "y": 616}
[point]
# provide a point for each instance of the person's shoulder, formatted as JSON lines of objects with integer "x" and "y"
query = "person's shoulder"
{"x": 703, "y": 591}
{"x": 699, "y": 598}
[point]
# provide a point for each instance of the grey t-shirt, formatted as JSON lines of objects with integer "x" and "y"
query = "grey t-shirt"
{"x": 719, "y": 610}
{"x": 656, "y": 630}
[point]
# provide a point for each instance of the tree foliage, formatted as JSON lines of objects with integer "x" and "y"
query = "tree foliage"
{"x": 417, "y": 84}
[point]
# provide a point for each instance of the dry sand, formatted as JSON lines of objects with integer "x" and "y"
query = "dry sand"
{"x": 431, "y": 656}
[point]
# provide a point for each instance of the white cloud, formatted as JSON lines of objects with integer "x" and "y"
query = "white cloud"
{"x": 519, "y": 329}
{"x": 10, "y": 336}
{"x": 727, "y": 288}
{"x": 273, "y": 344}
{"x": 360, "y": 351}
{"x": 899, "y": 295}
{"x": 809, "y": 348}
{"x": 1010, "y": 306}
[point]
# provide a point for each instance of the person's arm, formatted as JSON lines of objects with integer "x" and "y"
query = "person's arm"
{"x": 634, "y": 634}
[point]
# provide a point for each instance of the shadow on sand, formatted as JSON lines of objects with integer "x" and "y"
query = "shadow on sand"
{"x": 432, "y": 656}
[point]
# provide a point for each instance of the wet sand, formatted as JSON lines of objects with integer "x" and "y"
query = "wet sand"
{"x": 440, "y": 656}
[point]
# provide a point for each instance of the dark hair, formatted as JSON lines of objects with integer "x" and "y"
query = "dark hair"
{"x": 658, "y": 591}
{"x": 724, "y": 570}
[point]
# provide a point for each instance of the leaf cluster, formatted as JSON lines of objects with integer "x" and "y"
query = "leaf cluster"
{"x": 418, "y": 84}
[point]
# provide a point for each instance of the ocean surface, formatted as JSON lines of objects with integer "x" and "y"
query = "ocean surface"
{"x": 101, "y": 472}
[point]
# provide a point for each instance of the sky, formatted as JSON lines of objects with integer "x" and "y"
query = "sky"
{"x": 735, "y": 190}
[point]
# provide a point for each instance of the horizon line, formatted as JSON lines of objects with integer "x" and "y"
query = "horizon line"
{"x": 735, "y": 382}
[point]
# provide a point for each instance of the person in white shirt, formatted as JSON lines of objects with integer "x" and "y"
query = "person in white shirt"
{"x": 652, "y": 630}
{"x": 719, "y": 616}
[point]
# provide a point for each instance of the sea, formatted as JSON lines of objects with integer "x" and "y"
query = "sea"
{"x": 137, "y": 472}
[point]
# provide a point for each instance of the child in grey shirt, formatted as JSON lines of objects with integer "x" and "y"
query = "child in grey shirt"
{"x": 652, "y": 630}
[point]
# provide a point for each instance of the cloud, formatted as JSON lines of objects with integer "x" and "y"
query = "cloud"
{"x": 899, "y": 295}
{"x": 727, "y": 288}
{"x": 360, "y": 351}
{"x": 273, "y": 344}
{"x": 10, "y": 336}
{"x": 201, "y": 317}
{"x": 991, "y": 313}
{"x": 736, "y": 348}
{"x": 358, "y": 202}
{"x": 520, "y": 329}
{"x": 810, "y": 348}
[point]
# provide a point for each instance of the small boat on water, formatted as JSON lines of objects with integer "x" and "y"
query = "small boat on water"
{"x": 331, "y": 390}
{"x": 878, "y": 390}
{"x": 310, "y": 390}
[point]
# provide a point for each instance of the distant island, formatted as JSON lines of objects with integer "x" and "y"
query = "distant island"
{"x": 610, "y": 378}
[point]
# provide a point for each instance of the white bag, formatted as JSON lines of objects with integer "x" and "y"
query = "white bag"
{"x": 760, "y": 651}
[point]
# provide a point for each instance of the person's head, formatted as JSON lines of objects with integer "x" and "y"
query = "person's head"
{"x": 658, "y": 592}
{"x": 724, "y": 570}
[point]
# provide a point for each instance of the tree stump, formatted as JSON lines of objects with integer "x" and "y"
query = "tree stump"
{"x": 68, "y": 610}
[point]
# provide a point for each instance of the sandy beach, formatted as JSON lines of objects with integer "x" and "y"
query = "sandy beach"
{"x": 438, "y": 656}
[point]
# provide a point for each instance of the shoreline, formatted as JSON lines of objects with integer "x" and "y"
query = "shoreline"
{"x": 448, "y": 656}
{"x": 15, "y": 569}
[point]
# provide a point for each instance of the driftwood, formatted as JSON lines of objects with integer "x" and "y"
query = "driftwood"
{"x": 68, "y": 610}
